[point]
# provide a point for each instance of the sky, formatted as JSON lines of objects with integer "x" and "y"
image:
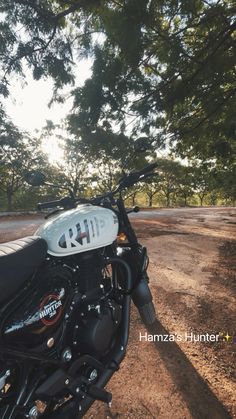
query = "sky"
{"x": 27, "y": 105}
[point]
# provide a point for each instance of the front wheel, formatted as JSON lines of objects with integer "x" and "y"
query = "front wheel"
{"x": 148, "y": 313}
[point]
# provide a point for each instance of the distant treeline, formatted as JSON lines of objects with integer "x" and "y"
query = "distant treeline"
{"x": 174, "y": 184}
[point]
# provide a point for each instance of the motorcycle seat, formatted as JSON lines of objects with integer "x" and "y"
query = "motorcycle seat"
{"x": 19, "y": 259}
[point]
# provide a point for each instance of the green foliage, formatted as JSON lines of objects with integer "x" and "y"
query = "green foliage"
{"x": 18, "y": 155}
{"x": 75, "y": 167}
{"x": 163, "y": 68}
{"x": 186, "y": 183}
{"x": 225, "y": 180}
{"x": 170, "y": 172}
{"x": 169, "y": 65}
{"x": 33, "y": 32}
{"x": 9, "y": 133}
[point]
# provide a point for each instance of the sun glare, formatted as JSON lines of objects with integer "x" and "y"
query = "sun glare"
{"x": 27, "y": 104}
{"x": 51, "y": 147}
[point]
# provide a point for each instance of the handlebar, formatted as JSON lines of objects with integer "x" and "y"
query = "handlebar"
{"x": 66, "y": 202}
{"x": 50, "y": 204}
{"x": 135, "y": 177}
{"x": 126, "y": 181}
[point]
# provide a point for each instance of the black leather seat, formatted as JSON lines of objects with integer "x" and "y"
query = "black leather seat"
{"x": 18, "y": 261}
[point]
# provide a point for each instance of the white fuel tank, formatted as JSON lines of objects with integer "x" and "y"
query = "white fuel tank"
{"x": 84, "y": 228}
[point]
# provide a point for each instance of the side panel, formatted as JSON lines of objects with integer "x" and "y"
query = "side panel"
{"x": 39, "y": 311}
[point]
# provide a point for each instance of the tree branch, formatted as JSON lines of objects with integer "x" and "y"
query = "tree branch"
{"x": 210, "y": 114}
{"x": 226, "y": 32}
{"x": 26, "y": 54}
{"x": 74, "y": 7}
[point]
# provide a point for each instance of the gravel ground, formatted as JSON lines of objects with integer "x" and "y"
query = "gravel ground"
{"x": 193, "y": 279}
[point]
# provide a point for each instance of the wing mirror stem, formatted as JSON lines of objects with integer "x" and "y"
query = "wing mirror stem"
{"x": 37, "y": 178}
{"x": 61, "y": 187}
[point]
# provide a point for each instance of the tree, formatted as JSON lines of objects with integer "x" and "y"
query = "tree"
{"x": 174, "y": 77}
{"x": 9, "y": 133}
{"x": 169, "y": 178}
{"x": 32, "y": 33}
{"x": 225, "y": 178}
{"x": 112, "y": 156}
{"x": 186, "y": 183}
{"x": 18, "y": 156}
{"x": 204, "y": 180}
{"x": 132, "y": 193}
{"x": 151, "y": 188}
{"x": 75, "y": 166}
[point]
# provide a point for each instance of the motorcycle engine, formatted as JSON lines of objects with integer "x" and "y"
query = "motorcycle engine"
{"x": 98, "y": 316}
{"x": 96, "y": 326}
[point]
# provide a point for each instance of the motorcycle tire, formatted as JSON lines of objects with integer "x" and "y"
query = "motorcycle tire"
{"x": 148, "y": 313}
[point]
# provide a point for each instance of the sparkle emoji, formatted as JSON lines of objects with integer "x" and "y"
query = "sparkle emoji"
{"x": 227, "y": 337}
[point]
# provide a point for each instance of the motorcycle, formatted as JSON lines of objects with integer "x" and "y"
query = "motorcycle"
{"x": 65, "y": 297}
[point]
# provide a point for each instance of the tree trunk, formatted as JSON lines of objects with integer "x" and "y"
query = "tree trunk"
{"x": 150, "y": 201}
{"x": 201, "y": 199}
{"x": 213, "y": 200}
{"x": 133, "y": 199}
{"x": 168, "y": 200}
{"x": 9, "y": 199}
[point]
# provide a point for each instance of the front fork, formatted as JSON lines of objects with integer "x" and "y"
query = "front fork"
{"x": 141, "y": 294}
{"x": 136, "y": 257}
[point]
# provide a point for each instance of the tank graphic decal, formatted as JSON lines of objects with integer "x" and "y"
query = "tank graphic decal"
{"x": 50, "y": 309}
{"x": 75, "y": 235}
{"x": 84, "y": 228}
{"x": 92, "y": 227}
{"x": 97, "y": 225}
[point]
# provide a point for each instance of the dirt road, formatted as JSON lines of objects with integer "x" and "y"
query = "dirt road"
{"x": 193, "y": 279}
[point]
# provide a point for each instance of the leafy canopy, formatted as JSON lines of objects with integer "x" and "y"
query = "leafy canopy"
{"x": 167, "y": 68}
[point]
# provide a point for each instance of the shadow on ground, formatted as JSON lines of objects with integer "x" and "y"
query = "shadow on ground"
{"x": 199, "y": 398}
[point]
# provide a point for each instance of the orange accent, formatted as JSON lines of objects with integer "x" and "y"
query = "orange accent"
{"x": 122, "y": 237}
